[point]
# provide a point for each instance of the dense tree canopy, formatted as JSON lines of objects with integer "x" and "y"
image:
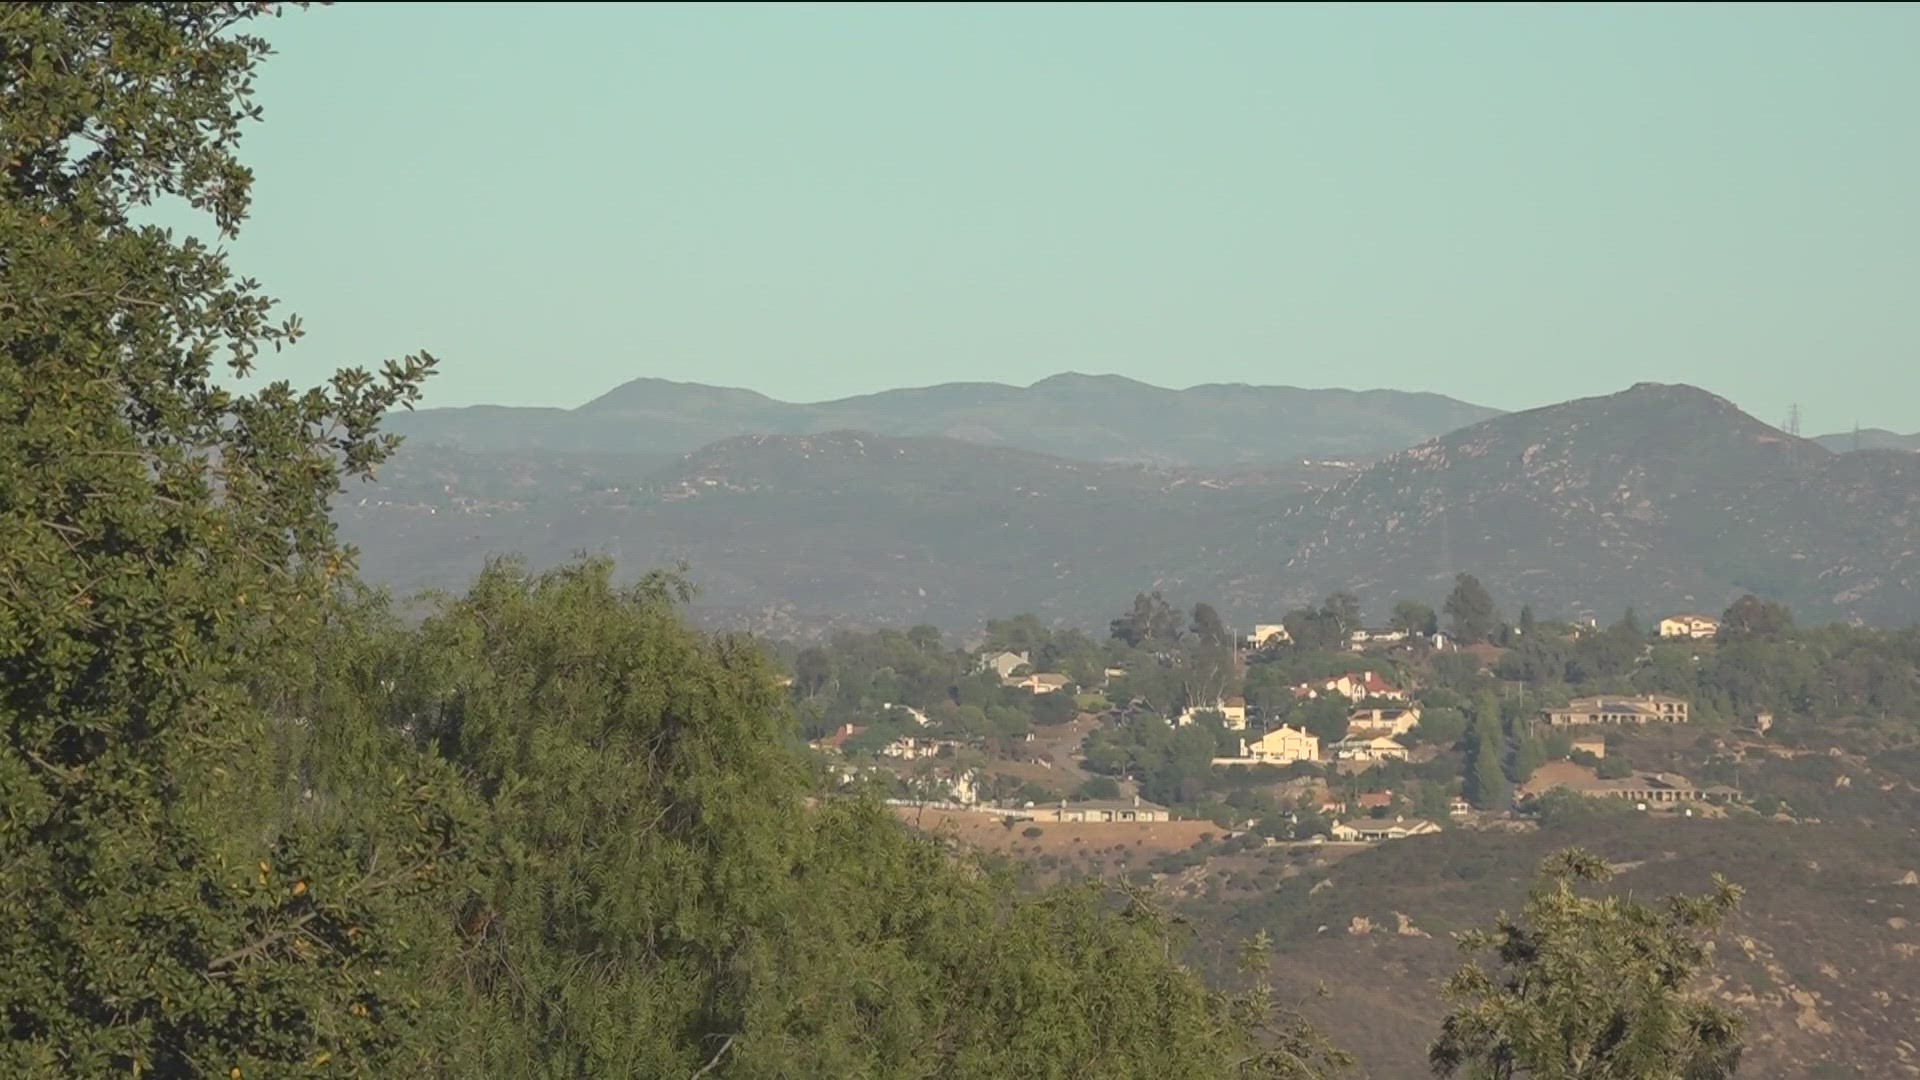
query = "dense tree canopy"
{"x": 163, "y": 539}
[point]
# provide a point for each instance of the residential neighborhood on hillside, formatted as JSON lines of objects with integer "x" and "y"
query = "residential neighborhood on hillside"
{"x": 1163, "y": 721}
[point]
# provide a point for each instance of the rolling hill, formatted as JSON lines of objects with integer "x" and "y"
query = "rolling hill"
{"x": 792, "y": 530}
{"x": 1658, "y": 497}
{"x": 1870, "y": 439}
{"x": 1093, "y": 418}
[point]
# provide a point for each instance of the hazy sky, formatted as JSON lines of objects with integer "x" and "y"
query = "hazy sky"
{"x": 1513, "y": 205}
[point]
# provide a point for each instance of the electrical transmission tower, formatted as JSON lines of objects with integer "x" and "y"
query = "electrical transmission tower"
{"x": 1793, "y": 419}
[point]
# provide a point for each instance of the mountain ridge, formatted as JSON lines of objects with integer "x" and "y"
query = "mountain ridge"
{"x": 1069, "y": 414}
{"x": 1657, "y": 494}
{"x": 1657, "y": 497}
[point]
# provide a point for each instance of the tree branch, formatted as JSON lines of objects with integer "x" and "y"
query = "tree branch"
{"x": 715, "y": 1060}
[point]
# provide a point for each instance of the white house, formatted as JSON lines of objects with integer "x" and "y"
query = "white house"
{"x": 910, "y": 748}
{"x": 1265, "y": 634}
{"x": 1004, "y": 664}
{"x": 1233, "y": 713}
{"x": 1691, "y": 626}
{"x": 1368, "y": 831}
{"x": 1383, "y": 721}
{"x": 1360, "y": 639}
{"x": 1281, "y": 746}
{"x": 1043, "y": 683}
{"x": 1369, "y": 748}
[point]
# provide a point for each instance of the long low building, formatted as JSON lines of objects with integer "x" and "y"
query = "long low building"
{"x": 1640, "y": 787}
{"x": 1367, "y": 830}
{"x": 1647, "y": 709}
{"x": 1098, "y": 810}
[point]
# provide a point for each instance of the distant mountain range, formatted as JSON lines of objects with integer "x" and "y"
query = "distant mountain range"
{"x": 1660, "y": 497}
{"x": 1089, "y": 417}
{"x": 1869, "y": 439}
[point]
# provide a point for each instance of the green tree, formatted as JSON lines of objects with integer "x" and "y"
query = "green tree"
{"x": 1486, "y": 786}
{"x": 1208, "y": 627}
{"x": 812, "y": 671}
{"x": 1529, "y": 754}
{"x": 1022, "y": 633}
{"x": 1470, "y": 610}
{"x": 1311, "y": 629}
{"x": 1268, "y": 688}
{"x": 1442, "y": 726}
{"x": 164, "y": 548}
{"x": 1151, "y": 621}
{"x": 1324, "y": 717}
{"x": 1052, "y": 709}
{"x": 1591, "y": 987}
{"x": 1527, "y": 623}
{"x": 1414, "y": 617}
{"x": 1751, "y": 618}
{"x": 1344, "y": 607}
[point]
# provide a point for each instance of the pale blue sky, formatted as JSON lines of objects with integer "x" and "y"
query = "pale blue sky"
{"x": 1512, "y": 205}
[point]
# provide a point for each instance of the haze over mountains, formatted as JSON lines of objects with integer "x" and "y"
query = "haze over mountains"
{"x": 1869, "y": 439}
{"x": 1091, "y": 417}
{"x": 1659, "y": 497}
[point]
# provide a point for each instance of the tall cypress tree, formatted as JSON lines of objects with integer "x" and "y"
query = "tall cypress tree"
{"x": 1486, "y": 786}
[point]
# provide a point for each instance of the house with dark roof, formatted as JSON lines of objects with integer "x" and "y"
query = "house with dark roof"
{"x": 1594, "y": 711}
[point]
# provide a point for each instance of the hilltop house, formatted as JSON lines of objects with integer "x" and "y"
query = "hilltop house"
{"x": 1281, "y": 746}
{"x": 1044, "y": 683}
{"x": 1360, "y": 639}
{"x": 1265, "y": 634}
{"x": 1374, "y": 800}
{"x": 918, "y": 716}
{"x": 1107, "y": 810}
{"x": 1233, "y": 713}
{"x": 1383, "y": 721}
{"x": 1004, "y": 664}
{"x": 911, "y": 748}
{"x": 1650, "y": 788}
{"x": 1689, "y": 626}
{"x": 834, "y": 742}
{"x": 1648, "y": 709}
{"x": 1365, "y": 831}
{"x": 1368, "y": 748}
{"x": 1356, "y": 686}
